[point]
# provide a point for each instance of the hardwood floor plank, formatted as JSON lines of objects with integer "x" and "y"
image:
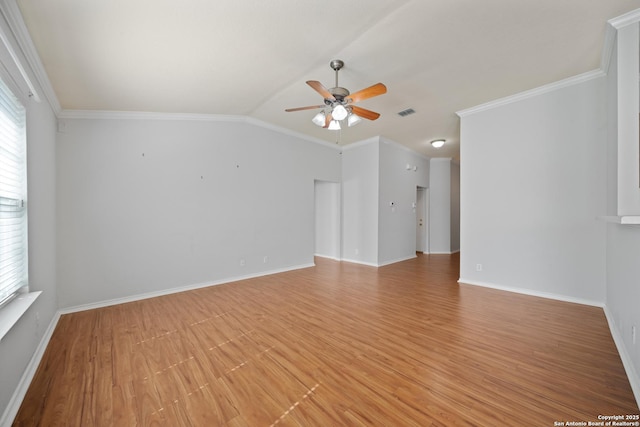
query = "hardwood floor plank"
{"x": 337, "y": 344}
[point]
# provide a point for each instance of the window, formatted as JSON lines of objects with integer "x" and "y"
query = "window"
{"x": 13, "y": 195}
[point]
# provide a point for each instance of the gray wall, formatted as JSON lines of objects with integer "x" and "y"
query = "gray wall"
{"x": 22, "y": 342}
{"x": 150, "y": 205}
{"x": 532, "y": 186}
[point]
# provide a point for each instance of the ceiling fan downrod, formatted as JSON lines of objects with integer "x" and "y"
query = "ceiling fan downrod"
{"x": 338, "y": 92}
{"x": 336, "y": 65}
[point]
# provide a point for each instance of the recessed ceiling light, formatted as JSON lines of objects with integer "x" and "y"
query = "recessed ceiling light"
{"x": 437, "y": 143}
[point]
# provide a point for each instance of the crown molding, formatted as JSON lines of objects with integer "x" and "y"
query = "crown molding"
{"x": 571, "y": 81}
{"x": 626, "y": 19}
{"x": 611, "y": 33}
{"x": 361, "y": 143}
{"x": 147, "y": 115}
{"x": 286, "y": 131}
{"x": 399, "y": 146}
{"x": 609, "y": 44}
{"x": 12, "y": 14}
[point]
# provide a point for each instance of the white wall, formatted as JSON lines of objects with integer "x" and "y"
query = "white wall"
{"x": 440, "y": 223}
{"x": 18, "y": 346}
{"x": 374, "y": 174}
{"x": 623, "y": 291}
{"x": 628, "y": 170}
{"x": 397, "y": 224}
{"x": 623, "y": 241}
{"x": 150, "y": 205}
{"x": 360, "y": 202}
{"x": 532, "y": 184}
{"x": 455, "y": 207}
{"x": 328, "y": 213}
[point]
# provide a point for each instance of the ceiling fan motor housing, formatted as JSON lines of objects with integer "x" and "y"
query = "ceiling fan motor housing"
{"x": 339, "y": 93}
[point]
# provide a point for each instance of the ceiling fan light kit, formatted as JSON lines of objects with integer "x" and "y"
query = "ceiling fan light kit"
{"x": 319, "y": 119}
{"x": 338, "y": 102}
{"x": 353, "y": 119}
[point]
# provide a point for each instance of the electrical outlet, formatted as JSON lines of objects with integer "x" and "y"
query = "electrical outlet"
{"x": 242, "y": 262}
{"x": 633, "y": 334}
{"x": 478, "y": 267}
{"x": 265, "y": 259}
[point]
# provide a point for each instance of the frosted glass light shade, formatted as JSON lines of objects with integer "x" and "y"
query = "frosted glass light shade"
{"x": 437, "y": 143}
{"x": 353, "y": 119}
{"x": 339, "y": 112}
{"x": 334, "y": 125}
{"x": 319, "y": 119}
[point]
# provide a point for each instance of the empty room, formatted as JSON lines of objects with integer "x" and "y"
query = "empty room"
{"x": 285, "y": 213}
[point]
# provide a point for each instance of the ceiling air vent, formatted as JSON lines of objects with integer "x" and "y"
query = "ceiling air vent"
{"x": 406, "y": 112}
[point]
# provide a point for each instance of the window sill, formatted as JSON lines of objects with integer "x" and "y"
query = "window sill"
{"x": 13, "y": 311}
{"x": 625, "y": 220}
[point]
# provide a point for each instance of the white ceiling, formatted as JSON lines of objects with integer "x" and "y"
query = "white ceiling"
{"x": 252, "y": 57}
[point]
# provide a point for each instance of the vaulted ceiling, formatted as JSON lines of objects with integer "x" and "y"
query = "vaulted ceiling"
{"x": 252, "y": 57}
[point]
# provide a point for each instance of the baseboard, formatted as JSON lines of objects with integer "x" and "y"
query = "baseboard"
{"x": 533, "y": 293}
{"x": 13, "y": 406}
{"x": 355, "y": 261}
{"x": 632, "y": 375}
{"x": 138, "y": 297}
{"x": 382, "y": 264}
{"x": 327, "y": 257}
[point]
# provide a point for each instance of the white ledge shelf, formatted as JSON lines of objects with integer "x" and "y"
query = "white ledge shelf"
{"x": 13, "y": 311}
{"x": 626, "y": 219}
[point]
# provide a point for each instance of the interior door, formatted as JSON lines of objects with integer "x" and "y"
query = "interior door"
{"x": 422, "y": 220}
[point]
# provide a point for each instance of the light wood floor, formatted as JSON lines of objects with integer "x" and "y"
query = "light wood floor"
{"x": 334, "y": 345}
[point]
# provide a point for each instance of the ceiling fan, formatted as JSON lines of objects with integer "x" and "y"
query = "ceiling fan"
{"x": 338, "y": 102}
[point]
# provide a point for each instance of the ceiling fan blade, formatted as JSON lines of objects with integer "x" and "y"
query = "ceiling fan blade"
{"x": 311, "y": 107}
{"x": 318, "y": 87}
{"x": 370, "y": 92}
{"x": 364, "y": 113}
{"x": 327, "y": 120}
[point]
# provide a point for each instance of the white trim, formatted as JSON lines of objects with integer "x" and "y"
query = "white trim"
{"x": 403, "y": 147}
{"x": 145, "y": 115}
{"x": 16, "y": 60}
{"x": 625, "y": 220}
{"x": 12, "y": 14}
{"x": 626, "y": 19}
{"x": 150, "y": 115}
{"x": 610, "y": 36}
{"x": 293, "y": 133}
{"x": 355, "y": 261}
{"x": 138, "y": 297}
{"x": 580, "y": 78}
{"x": 13, "y": 406}
{"x": 13, "y": 310}
{"x": 361, "y": 143}
{"x": 533, "y": 293}
{"x": 382, "y": 264}
{"x": 327, "y": 257}
{"x": 627, "y": 361}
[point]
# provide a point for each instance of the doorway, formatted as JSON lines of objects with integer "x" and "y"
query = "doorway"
{"x": 422, "y": 220}
{"x": 327, "y": 220}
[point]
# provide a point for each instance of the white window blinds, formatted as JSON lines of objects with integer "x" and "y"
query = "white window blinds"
{"x": 13, "y": 192}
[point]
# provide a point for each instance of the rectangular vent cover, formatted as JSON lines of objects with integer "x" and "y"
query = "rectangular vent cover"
{"x": 406, "y": 112}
